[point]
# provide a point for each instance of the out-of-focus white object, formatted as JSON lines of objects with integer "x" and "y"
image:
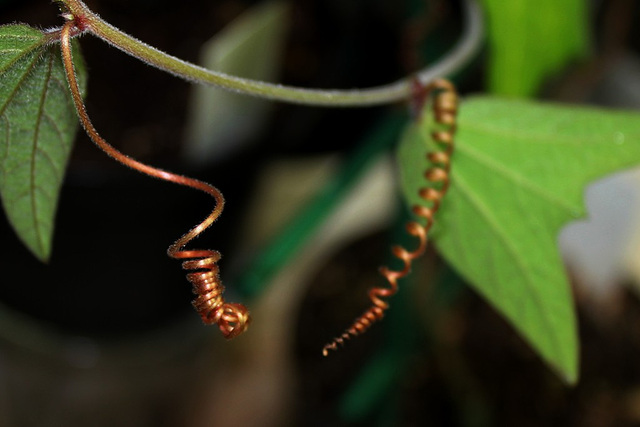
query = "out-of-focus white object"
{"x": 251, "y": 46}
{"x": 599, "y": 249}
{"x": 604, "y": 250}
{"x": 631, "y": 258}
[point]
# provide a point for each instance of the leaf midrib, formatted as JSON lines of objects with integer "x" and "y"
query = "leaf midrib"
{"x": 4, "y": 107}
{"x": 464, "y": 189}
{"x": 536, "y": 138}
{"x": 34, "y": 150}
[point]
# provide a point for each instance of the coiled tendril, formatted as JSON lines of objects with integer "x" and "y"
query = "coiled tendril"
{"x": 445, "y": 108}
{"x": 231, "y": 318}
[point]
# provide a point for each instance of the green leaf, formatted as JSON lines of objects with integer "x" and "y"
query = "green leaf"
{"x": 37, "y": 127}
{"x": 529, "y": 40}
{"x": 518, "y": 175}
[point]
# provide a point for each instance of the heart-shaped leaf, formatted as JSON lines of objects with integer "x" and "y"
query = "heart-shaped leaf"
{"x": 518, "y": 175}
{"x": 37, "y": 126}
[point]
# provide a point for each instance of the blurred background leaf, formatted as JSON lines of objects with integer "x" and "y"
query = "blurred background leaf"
{"x": 530, "y": 40}
{"x": 251, "y": 46}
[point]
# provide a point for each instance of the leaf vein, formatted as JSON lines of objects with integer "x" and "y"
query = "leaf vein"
{"x": 28, "y": 193}
{"x": 24, "y": 53}
{"x": 521, "y": 134}
{"x": 36, "y": 148}
{"x": 15, "y": 90}
{"x": 55, "y": 127}
{"x": 516, "y": 177}
{"x": 20, "y": 37}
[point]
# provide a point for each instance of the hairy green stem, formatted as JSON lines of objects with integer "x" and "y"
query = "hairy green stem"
{"x": 88, "y": 21}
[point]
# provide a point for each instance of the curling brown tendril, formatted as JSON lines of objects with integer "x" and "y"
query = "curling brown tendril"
{"x": 232, "y": 319}
{"x": 445, "y": 108}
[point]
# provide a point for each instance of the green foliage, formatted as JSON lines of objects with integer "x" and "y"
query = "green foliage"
{"x": 37, "y": 127}
{"x": 518, "y": 175}
{"x": 531, "y": 39}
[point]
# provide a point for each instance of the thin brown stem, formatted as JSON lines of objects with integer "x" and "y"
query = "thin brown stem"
{"x": 232, "y": 319}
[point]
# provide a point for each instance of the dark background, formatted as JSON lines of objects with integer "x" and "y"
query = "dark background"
{"x": 116, "y": 341}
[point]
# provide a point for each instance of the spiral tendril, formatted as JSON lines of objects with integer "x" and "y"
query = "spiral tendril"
{"x": 231, "y": 318}
{"x": 445, "y": 109}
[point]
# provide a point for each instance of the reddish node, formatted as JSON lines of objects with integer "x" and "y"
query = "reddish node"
{"x": 80, "y": 22}
{"x": 419, "y": 96}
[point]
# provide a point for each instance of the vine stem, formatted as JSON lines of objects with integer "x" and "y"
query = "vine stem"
{"x": 88, "y": 21}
